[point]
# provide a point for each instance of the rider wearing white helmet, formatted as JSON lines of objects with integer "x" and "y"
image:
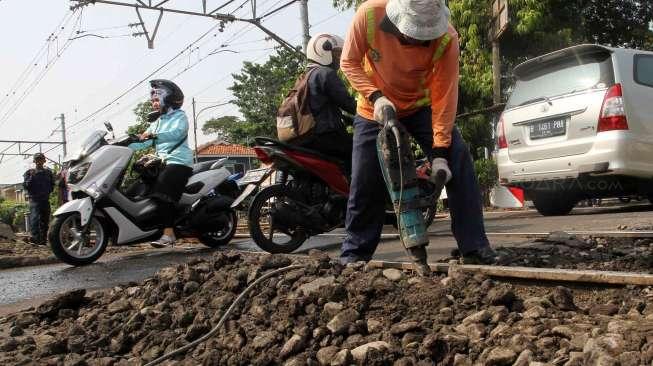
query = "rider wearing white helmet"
{"x": 328, "y": 97}
{"x": 325, "y": 49}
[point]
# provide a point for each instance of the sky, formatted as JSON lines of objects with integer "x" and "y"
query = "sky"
{"x": 40, "y": 79}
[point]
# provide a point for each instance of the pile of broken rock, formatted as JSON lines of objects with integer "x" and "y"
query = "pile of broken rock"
{"x": 327, "y": 314}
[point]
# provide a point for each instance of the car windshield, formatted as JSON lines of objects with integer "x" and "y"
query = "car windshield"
{"x": 561, "y": 77}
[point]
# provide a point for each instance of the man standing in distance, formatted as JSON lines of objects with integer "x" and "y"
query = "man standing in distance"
{"x": 39, "y": 183}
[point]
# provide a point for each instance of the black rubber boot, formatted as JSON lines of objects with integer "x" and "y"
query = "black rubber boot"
{"x": 483, "y": 256}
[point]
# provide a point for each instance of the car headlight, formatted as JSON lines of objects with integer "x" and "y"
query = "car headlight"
{"x": 78, "y": 173}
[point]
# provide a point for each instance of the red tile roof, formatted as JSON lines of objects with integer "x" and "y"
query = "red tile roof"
{"x": 224, "y": 149}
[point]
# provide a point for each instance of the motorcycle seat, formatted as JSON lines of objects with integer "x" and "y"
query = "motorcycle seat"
{"x": 206, "y": 165}
{"x": 264, "y": 141}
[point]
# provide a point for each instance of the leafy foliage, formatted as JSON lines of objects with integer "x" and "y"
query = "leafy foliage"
{"x": 488, "y": 174}
{"x": 259, "y": 89}
{"x": 141, "y": 124}
{"x": 346, "y": 4}
{"x": 141, "y": 111}
{"x": 232, "y": 129}
{"x": 219, "y": 126}
{"x": 13, "y": 214}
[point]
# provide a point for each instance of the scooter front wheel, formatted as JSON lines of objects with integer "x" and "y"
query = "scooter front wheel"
{"x": 71, "y": 245}
{"x": 222, "y": 236}
{"x": 261, "y": 223}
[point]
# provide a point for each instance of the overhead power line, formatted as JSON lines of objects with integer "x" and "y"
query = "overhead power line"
{"x": 188, "y": 48}
{"x": 214, "y": 15}
{"x": 36, "y": 60}
{"x": 140, "y": 82}
{"x": 139, "y": 99}
{"x": 31, "y": 87}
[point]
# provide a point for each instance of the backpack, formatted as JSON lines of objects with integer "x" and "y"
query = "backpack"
{"x": 294, "y": 118}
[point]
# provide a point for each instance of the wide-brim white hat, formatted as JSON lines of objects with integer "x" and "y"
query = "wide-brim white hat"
{"x": 424, "y": 20}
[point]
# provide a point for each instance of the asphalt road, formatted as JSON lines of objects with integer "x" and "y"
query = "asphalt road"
{"x": 26, "y": 286}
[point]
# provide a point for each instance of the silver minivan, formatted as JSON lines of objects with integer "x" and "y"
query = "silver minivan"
{"x": 579, "y": 125}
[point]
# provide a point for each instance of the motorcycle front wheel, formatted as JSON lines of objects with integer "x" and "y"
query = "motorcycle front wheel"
{"x": 71, "y": 245}
{"x": 261, "y": 223}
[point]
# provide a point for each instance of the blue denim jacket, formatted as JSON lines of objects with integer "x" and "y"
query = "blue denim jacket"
{"x": 169, "y": 130}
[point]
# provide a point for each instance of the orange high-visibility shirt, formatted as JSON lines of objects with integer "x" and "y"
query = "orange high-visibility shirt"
{"x": 410, "y": 76}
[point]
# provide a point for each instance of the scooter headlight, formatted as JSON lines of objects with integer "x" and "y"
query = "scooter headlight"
{"x": 78, "y": 173}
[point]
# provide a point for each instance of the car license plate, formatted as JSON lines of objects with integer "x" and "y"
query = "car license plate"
{"x": 549, "y": 128}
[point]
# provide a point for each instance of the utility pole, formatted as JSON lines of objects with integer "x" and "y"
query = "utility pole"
{"x": 500, "y": 22}
{"x": 194, "y": 131}
{"x": 306, "y": 28}
{"x": 62, "y": 119}
{"x": 496, "y": 72}
{"x": 197, "y": 114}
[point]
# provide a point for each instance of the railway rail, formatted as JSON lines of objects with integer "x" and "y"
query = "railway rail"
{"x": 532, "y": 273}
{"x": 529, "y": 235}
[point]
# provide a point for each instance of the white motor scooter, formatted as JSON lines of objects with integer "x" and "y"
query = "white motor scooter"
{"x": 100, "y": 211}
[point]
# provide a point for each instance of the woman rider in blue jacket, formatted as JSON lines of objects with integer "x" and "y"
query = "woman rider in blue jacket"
{"x": 169, "y": 136}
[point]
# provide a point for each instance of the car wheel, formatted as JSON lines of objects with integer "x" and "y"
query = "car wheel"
{"x": 553, "y": 203}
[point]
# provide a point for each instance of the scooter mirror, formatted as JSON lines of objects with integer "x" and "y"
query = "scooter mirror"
{"x": 108, "y": 125}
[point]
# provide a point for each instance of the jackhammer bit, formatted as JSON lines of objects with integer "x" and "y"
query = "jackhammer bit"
{"x": 418, "y": 256}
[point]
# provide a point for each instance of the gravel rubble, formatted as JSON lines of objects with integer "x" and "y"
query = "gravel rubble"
{"x": 327, "y": 314}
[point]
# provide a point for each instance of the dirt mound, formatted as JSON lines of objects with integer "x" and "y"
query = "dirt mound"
{"x": 605, "y": 254}
{"x": 327, "y": 314}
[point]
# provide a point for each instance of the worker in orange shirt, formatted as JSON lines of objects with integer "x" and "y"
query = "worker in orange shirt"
{"x": 404, "y": 54}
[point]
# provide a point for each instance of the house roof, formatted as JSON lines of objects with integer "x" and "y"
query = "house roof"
{"x": 225, "y": 149}
{"x": 13, "y": 185}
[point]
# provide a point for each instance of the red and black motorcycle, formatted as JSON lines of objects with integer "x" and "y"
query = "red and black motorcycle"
{"x": 308, "y": 196}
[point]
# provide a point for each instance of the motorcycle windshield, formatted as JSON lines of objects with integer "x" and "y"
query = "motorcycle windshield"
{"x": 92, "y": 142}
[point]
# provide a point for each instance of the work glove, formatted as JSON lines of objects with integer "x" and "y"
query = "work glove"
{"x": 437, "y": 165}
{"x": 378, "y": 108}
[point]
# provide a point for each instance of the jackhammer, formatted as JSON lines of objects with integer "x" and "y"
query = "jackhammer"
{"x": 398, "y": 167}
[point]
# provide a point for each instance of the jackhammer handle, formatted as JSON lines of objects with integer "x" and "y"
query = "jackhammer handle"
{"x": 389, "y": 114}
{"x": 439, "y": 180}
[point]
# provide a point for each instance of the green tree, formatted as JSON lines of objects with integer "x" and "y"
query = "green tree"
{"x": 488, "y": 175}
{"x": 140, "y": 125}
{"x": 141, "y": 111}
{"x": 232, "y": 129}
{"x": 346, "y": 4}
{"x": 219, "y": 126}
{"x": 259, "y": 89}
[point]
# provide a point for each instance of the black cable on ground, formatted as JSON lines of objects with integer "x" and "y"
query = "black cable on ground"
{"x": 224, "y": 318}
